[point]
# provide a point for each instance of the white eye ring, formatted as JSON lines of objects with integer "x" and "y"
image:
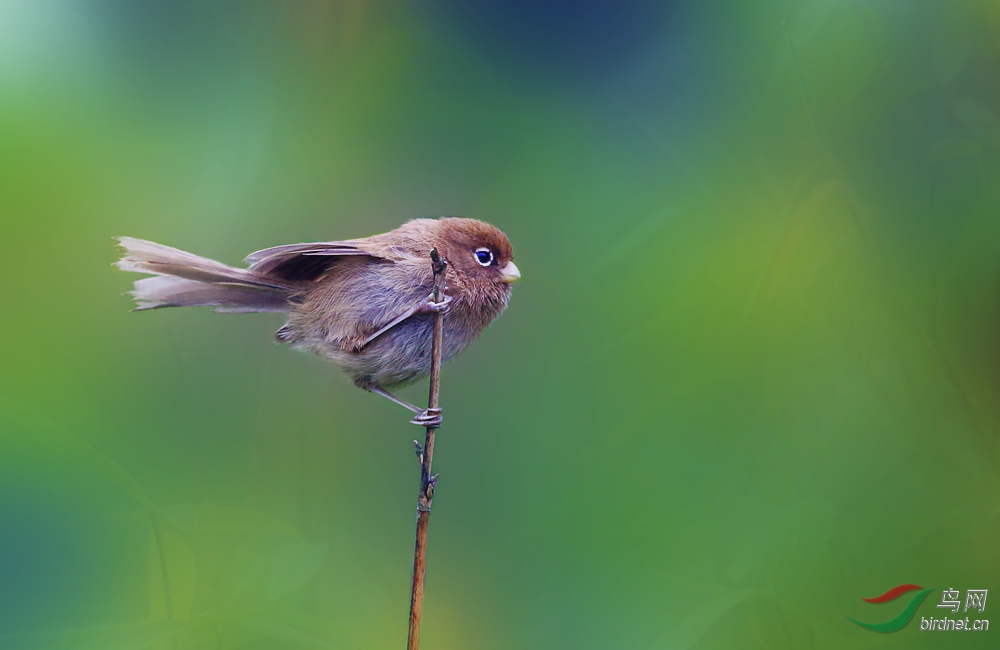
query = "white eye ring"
{"x": 484, "y": 256}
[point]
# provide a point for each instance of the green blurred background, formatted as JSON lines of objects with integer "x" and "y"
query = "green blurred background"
{"x": 751, "y": 373}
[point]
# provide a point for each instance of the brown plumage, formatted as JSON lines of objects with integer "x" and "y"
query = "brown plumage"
{"x": 361, "y": 303}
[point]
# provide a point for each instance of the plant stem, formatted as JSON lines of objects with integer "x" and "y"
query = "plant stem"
{"x": 168, "y": 600}
{"x": 426, "y": 454}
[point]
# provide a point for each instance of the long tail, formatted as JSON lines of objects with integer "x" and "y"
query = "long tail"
{"x": 183, "y": 280}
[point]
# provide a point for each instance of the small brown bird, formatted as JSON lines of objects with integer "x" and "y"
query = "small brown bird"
{"x": 364, "y": 304}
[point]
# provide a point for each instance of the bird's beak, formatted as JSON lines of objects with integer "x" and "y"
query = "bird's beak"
{"x": 509, "y": 273}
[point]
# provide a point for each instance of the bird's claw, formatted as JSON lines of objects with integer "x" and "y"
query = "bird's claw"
{"x": 428, "y": 306}
{"x": 428, "y": 418}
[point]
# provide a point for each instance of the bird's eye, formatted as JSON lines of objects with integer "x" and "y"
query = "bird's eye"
{"x": 484, "y": 256}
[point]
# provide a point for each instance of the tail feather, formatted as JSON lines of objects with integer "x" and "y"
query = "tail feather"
{"x": 182, "y": 280}
{"x": 166, "y": 291}
{"x": 148, "y": 257}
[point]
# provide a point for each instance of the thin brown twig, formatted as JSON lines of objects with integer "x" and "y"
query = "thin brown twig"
{"x": 426, "y": 455}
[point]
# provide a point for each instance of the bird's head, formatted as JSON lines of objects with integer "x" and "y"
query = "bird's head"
{"x": 479, "y": 254}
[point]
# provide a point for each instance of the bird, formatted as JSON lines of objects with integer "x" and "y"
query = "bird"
{"x": 364, "y": 304}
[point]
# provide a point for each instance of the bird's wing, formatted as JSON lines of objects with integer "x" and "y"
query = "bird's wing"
{"x": 362, "y": 298}
{"x": 303, "y": 262}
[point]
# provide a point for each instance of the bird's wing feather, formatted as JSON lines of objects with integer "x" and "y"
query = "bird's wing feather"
{"x": 302, "y": 262}
{"x": 360, "y": 297}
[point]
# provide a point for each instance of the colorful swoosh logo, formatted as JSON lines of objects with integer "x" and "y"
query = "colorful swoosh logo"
{"x": 899, "y": 621}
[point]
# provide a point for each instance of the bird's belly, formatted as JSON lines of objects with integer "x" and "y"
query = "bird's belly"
{"x": 400, "y": 356}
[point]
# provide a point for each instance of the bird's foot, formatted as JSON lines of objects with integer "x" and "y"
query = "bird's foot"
{"x": 430, "y": 418}
{"x": 428, "y": 306}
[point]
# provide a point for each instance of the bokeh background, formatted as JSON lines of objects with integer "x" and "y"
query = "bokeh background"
{"x": 750, "y": 376}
